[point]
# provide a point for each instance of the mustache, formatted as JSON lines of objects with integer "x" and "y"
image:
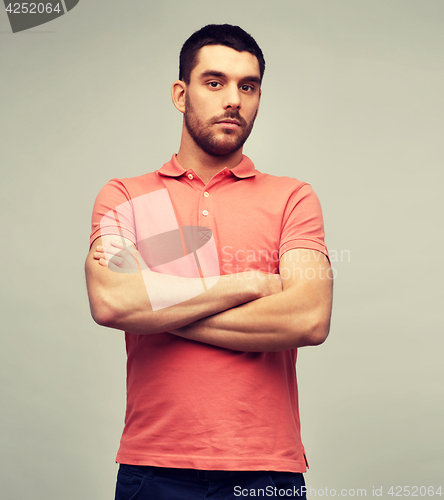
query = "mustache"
{"x": 232, "y": 115}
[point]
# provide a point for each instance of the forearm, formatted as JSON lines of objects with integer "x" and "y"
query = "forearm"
{"x": 298, "y": 316}
{"x": 274, "y": 323}
{"x": 141, "y": 302}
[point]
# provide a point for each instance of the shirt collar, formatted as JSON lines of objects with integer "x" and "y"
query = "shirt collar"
{"x": 242, "y": 170}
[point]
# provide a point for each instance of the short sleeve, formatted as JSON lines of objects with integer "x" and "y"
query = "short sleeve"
{"x": 113, "y": 212}
{"x": 303, "y": 224}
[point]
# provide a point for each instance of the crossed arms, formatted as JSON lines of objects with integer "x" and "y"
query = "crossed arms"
{"x": 245, "y": 311}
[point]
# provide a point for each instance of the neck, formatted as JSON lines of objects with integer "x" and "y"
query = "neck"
{"x": 190, "y": 155}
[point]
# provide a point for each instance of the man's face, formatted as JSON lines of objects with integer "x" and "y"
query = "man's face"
{"x": 222, "y": 99}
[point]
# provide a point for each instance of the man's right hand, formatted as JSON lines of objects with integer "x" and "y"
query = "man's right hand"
{"x": 119, "y": 257}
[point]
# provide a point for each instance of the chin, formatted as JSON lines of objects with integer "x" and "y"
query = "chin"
{"x": 223, "y": 149}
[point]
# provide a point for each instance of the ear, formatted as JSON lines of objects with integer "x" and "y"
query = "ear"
{"x": 178, "y": 91}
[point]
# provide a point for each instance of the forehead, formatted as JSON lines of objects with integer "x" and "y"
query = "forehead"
{"x": 226, "y": 60}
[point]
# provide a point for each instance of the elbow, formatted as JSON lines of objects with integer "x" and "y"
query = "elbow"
{"x": 317, "y": 338}
{"x": 309, "y": 331}
{"x": 102, "y": 317}
{"x": 108, "y": 312}
{"x": 101, "y": 311}
{"x": 317, "y": 334}
{"x": 312, "y": 334}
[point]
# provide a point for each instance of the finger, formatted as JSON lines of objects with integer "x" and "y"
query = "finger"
{"x": 108, "y": 257}
{"x": 111, "y": 250}
{"x": 115, "y": 260}
{"x": 118, "y": 244}
{"x": 98, "y": 255}
{"x": 119, "y": 266}
{"x": 127, "y": 254}
{"x": 126, "y": 251}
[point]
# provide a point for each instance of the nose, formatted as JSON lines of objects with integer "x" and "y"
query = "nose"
{"x": 232, "y": 97}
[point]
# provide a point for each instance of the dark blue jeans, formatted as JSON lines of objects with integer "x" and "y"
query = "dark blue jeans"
{"x": 136, "y": 482}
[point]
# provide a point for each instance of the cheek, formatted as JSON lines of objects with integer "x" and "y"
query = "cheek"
{"x": 199, "y": 99}
{"x": 251, "y": 110}
{"x": 201, "y": 111}
{"x": 252, "y": 115}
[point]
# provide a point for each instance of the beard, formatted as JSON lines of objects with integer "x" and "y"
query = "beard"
{"x": 204, "y": 136}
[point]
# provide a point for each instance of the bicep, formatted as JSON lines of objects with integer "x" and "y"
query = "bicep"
{"x": 302, "y": 265}
{"x": 103, "y": 283}
{"x": 307, "y": 279}
{"x": 98, "y": 279}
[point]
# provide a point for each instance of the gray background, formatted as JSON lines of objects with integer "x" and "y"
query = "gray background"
{"x": 352, "y": 103}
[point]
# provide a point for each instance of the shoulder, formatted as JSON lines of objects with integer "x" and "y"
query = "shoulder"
{"x": 128, "y": 188}
{"x": 283, "y": 186}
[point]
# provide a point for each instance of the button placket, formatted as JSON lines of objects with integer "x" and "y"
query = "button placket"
{"x": 205, "y": 205}
{"x": 206, "y": 200}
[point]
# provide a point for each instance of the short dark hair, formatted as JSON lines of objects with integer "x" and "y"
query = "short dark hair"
{"x": 217, "y": 34}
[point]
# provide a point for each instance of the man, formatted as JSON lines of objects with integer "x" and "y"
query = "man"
{"x": 217, "y": 273}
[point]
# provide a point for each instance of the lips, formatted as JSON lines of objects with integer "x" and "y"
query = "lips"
{"x": 229, "y": 121}
{"x": 229, "y": 124}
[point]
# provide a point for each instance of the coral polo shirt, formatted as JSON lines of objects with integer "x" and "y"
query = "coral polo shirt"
{"x": 190, "y": 404}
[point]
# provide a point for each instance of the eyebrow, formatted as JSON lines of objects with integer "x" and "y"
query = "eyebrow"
{"x": 251, "y": 78}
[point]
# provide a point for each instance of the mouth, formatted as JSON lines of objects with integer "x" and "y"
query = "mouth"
{"x": 229, "y": 123}
{"x": 229, "y": 120}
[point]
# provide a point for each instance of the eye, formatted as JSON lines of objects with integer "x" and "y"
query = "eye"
{"x": 214, "y": 85}
{"x": 247, "y": 88}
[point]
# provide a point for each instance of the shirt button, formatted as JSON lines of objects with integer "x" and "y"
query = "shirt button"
{"x": 206, "y": 194}
{"x": 190, "y": 176}
{"x": 205, "y": 212}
